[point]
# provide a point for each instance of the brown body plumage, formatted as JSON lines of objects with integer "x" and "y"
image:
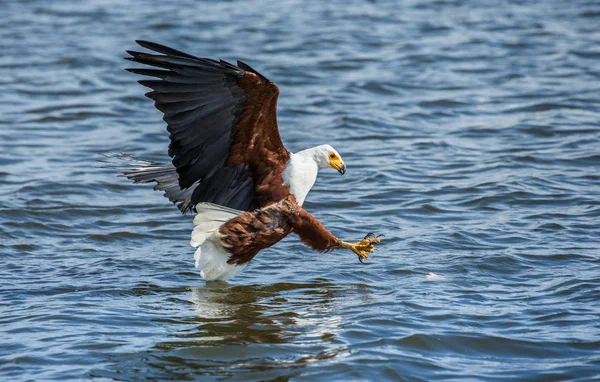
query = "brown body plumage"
{"x": 245, "y": 235}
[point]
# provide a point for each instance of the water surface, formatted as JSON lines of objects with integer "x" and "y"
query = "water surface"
{"x": 471, "y": 132}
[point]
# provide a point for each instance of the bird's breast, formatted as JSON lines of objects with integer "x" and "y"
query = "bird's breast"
{"x": 299, "y": 176}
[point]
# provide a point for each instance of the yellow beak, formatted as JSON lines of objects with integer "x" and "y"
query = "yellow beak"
{"x": 338, "y": 164}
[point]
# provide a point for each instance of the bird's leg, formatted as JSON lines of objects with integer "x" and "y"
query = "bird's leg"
{"x": 363, "y": 247}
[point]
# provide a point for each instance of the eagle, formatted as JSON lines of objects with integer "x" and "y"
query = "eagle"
{"x": 229, "y": 164}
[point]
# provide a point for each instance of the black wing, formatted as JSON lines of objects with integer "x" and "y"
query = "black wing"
{"x": 201, "y": 103}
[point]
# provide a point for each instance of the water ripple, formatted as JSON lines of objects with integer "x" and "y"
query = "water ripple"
{"x": 471, "y": 136}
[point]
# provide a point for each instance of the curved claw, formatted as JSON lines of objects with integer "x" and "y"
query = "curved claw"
{"x": 363, "y": 247}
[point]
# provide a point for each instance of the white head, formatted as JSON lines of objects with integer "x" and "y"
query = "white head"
{"x": 326, "y": 156}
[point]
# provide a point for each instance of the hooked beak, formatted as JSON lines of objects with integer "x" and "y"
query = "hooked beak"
{"x": 337, "y": 163}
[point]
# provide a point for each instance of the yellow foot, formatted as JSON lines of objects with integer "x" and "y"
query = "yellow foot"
{"x": 363, "y": 247}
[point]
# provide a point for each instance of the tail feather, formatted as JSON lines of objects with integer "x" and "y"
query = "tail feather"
{"x": 211, "y": 256}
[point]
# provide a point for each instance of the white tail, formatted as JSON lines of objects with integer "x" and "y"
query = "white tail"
{"x": 211, "y": 256}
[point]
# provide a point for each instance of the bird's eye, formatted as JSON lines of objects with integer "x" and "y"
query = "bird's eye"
{"x": 332, "y": 155}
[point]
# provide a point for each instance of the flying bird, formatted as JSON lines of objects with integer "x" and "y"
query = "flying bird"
{"x": 229, "y": 163}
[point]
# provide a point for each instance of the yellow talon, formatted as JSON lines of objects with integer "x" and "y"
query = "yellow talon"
{"x": 363, "y": 247}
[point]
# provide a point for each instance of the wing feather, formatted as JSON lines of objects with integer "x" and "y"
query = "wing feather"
{"x": 220, "y": 116}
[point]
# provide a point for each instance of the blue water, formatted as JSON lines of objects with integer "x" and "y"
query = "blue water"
{"x": 471, "y": 132}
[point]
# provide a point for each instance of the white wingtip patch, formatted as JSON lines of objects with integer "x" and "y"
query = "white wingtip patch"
{"x": 211, "y": 256}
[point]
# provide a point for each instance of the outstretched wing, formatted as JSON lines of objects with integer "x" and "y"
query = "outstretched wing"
{"x": 222, "y": 121}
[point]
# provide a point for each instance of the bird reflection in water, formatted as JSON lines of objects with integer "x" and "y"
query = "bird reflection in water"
{"x": 275, "y": 313}
{"x": 271, "y": 330}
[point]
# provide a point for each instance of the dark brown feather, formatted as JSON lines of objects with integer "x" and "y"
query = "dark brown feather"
{"x": 257, "y": 141}
{"x": 245, "y": 235}
{"x": 313, "y": 233}
{"x": 223, "y": 128}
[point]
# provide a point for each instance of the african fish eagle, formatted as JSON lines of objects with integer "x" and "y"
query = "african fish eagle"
{"x": 229, "y": 163}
